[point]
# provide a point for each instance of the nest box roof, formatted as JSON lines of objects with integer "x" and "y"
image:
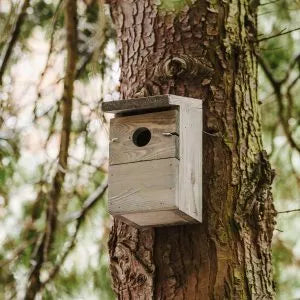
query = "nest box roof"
{"x": 150, "y": 103}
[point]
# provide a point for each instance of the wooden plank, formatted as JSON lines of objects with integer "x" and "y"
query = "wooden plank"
{"x": 155, "y": 218}
{"x": 144, "y": 103}
{"x": 148, "y": 103}
{"x": 189, "y": 192}
{"x": 142, "y": 186}
{"x": 121, "y": 146}
{"x": 185, "y": 101}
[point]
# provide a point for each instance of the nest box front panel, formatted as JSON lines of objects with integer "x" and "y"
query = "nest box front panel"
{"x": 143, "y": 186}
{"x": 144, "y": 165}
{"x": 143, "y": 137}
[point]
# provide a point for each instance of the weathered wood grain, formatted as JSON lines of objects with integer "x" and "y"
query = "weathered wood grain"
{"x": 121, "y": 146}
{"x": 148, "y": 103}
{"x": 190, "y": 168}
{"x": 143, "y": 186}
{"x": 157, "y": 218}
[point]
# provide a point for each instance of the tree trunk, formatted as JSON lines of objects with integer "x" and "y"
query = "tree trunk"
{"x": 206, "y": 50}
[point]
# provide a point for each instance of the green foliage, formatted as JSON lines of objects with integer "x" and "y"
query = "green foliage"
{"x": 39, "y": 14}
{"x": 30, "y": 123}
{"x": 275, "y": 18}
{"x": 279, "y": 52}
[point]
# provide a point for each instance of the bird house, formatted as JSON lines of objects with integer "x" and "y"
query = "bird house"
{"x": 155, "y": 160}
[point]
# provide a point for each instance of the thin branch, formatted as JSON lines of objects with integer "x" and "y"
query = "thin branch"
{"x": 86, "y": 61}
{"x": 289, "y": 211}
{"x": 88, "y": 204}
{"x": 290, "y": 97}
{"x": 271, "y": 49}
{"x": 43, "y": 248}
{"x": 67, "y": 102}
{"x": 267, "y": 3}
{"x": 13, "y": 296}
{"x": 294, "y": 171}
{"x": 54, "y": 22}
{"x": 292, "y": 84}
{"x": 268, "y": 72}
{"x": 290, "y": 68}
{"x": 50, "y": 50}
{"x": 52, "y": 123}
{"x": 9, "y": 23}
{"x": 278, "y": 34}
{"x": 14, "y": 37}
{"x": 20, "y": 249}
{"x": 277, "y": 89}
{"x": 99, "y": 167}
{"x": 102, "y": 38}
{"x": 266, "y": 13}
{"x": 285, "y": 124}
{"x": 273, "y": 133}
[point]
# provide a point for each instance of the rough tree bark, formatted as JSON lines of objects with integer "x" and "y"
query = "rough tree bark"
{"x": 202, "y": 49}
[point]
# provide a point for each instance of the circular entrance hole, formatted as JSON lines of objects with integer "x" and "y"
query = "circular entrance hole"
{"x": 141, "y": 137}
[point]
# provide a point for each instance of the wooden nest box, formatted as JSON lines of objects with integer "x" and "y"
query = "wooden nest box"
{"x": 155, "y": 160}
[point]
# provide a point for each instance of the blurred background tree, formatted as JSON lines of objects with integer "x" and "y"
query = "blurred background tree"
{"x": 279, "y": 90}
{"x": 57, "y": 249}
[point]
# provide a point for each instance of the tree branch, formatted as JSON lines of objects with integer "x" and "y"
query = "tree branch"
{"x": 290, "y": 68}
{"x": 275, "y": 84}
{"x": 50, "y": 50}
{"x": 278, "y": 96}
{"x": 14, "y": 37}
{"x": 102, "y": 39}
{"x": 43, "y": 248}
{"x": 18, "y": 251}
{"x": 278, "y": 34}
{"x": 67, "y": 101}
{"x": 288, "y": 211}
{"x": 88, "y": 204}
{"x": 270, "y": 2}
{"x": 285, "y": 124}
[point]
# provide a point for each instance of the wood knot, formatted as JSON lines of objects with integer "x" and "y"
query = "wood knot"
{"x": 183, "y": 66}
{"x": 143, "y": 92}
{"x": 174, "y": 67}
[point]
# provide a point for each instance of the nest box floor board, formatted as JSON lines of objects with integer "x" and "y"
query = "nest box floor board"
{"x": 157, "y": 218}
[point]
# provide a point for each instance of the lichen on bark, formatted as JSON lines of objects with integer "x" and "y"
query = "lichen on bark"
{"x": 206, "y": 50}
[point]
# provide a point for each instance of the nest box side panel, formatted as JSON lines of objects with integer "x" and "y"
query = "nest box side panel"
{"x": 142, "y": 186}
{"x": 189, "y": 197}
{"x": 185, "y": 101}
{"x": 156, "y": 145}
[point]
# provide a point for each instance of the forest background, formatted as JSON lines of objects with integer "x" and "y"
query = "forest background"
{"x": 32, "y": 84}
